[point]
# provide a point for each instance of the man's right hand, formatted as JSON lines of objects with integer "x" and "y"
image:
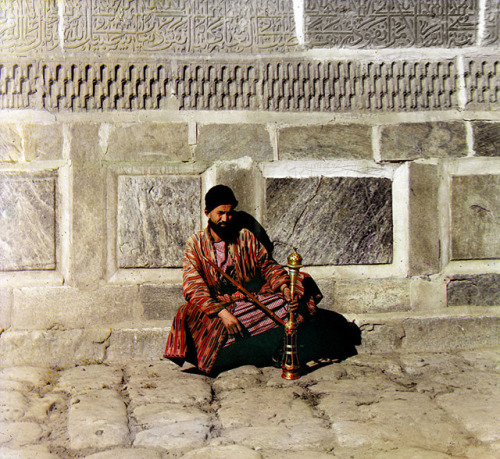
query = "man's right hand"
{"x": 231, "y": 323}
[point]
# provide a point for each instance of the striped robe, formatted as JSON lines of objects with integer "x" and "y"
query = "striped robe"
{"x": 197, "y": 334}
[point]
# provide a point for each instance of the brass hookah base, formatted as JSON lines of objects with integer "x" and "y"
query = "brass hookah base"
{"x": 290, "y": 364}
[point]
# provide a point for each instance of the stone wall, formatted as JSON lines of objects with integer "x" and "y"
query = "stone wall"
{"x": 365, "y": 133}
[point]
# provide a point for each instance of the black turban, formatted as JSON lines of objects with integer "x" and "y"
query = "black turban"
{"x": 219, "y": 195}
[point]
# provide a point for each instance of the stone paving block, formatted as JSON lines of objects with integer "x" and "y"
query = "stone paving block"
{"x": 97, "y": 419}
{"x": 27, "y": 453}
{"x": 374, "y": 295}
{"x": 304, "y": 454}
{"x": 405, "y": 142}
{"x": 244, "y": 377}
{"x": 223, "y": 452}
{"x": 32, "y": 376}
{"x": 89, "y": 377}
{"x": 124, "y": 453}
{"x": 325, "y": 142}
{"x": 148, "y": 141}
{"x": 43, "y": 141}
{"x": 19, "y": 433}
{"x": 486, "y": 138}
{"x": 6, "y": 298}
{"x": 13, "y": 405}
{"x": 477, "y": 412}
{"x": 232, "y": 141}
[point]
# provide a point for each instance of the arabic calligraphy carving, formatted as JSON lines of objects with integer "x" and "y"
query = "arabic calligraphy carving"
{"x": 390, "y": 23}
{"x": 180, "y": 26}
{"x": 492, "y": 23}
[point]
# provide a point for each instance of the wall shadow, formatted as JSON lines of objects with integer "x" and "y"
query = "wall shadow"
{"x": 245, "y": 220}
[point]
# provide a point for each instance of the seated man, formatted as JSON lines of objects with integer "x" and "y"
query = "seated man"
{"x": 217, "y": 316}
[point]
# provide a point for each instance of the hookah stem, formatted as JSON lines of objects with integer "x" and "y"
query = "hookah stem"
{"x": 270, "y": 313}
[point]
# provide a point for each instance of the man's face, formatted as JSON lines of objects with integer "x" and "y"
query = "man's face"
{"x": 221, "y": 216}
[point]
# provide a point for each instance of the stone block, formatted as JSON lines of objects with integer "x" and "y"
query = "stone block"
{"x": 232, "y": 141}
{"x": 6, "y": 299}
{"x": 89, "y": 377}
{"x": 50, "y": 348}
{"x": 445, "y": 334}
{"x": 404, "y": 142}
{"x": 47, "y": 307}
{"x": 476, "y": 290}
{"x": 424, "y": 219}
{"x": 486, "y": 138}
{"x": 84, "y": 143}
{"x": 160, "y": 302}
{"x": 148, "y": 141}
{"x": 475, "y": 211}
{"x": 380, "y": 336}
{"x": 97, "y": 419}
{"x": 243, "y": 177}
{"x": 146, "y": 344}
{"x": 325, "y": 142}
{"x": 389, "y": 24}
{"x": 27, "y": 221}
{"x": 156, "y": 215}
{"x": 11, "y": 143}
{"x": 371, "y": 295}
{"x": 326, "y": 287}
{"x": 88, "y": 250}
{"x": 335, "y": 221}
{"x": 427, "y": 294}
{"x": 43, "y": 141}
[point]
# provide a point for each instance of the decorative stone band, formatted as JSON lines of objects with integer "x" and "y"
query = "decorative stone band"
{"x": 270, "y": 85}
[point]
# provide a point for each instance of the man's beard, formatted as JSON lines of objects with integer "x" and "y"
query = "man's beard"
{"x": 224, "y": 232}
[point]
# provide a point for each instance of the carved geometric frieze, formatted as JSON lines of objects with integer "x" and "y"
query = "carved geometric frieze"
{"x": 475, "y": 213}
{"x": 28, "y": 26}
{"x": 390, "y": 23}
{"x": 27, "y": 221}
{"x": 482, "y": 82}
{"x": 271, "y": 85}
{"x": 156, "y": 215}
{"x": 332, "y": 221}
{"x": 180, "y": 26}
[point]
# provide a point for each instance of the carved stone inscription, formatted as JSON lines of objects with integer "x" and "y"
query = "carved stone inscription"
{"x": 28, "y": 26}
{"x": 475, "y": 211}
{"x": 180, "y": 26}
{"x": 27, "y": 221}
{"x": 482, "y": 82}
{"x": 492, "y": 23}
{"x": 335, "y": 221}
{"x": 390, "y": 23}
{"x": 156, "y": 215}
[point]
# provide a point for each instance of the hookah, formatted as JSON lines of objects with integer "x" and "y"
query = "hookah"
{"x": 290, "y": 364}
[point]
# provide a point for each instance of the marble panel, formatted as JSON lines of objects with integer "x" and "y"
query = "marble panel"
{"x": 156, "y": 215}
{"x": 328, "y": 142}
{"x": 402, "y": 142}
{"x": 180, "y": 26}
{"x": 475, "y": 212}
{"x": 332, "y": 221}
{"x": 27, "y": 221}
{"x": 28, "y": 27}
{"x": 477, "y": 290}
{"x": 232, "y": 141}
{"x": 486, "y": 138}
{"x": 424, "y": 219}
{"x": 390, "y": 23}
{"x": 42, "y": 141}
{"x": 492, "y": 23}
{"x": 11, "y": 147}
{"x": 148, "y": 141}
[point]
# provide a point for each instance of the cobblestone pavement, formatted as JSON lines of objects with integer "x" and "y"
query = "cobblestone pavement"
{"x": 370, "y": 406}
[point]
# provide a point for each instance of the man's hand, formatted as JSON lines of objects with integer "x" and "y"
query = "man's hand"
{"x": 292, "y": 304}
{"x": 231, "y": 323}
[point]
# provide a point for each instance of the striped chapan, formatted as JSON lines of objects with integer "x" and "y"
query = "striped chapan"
{"x": 197, "y": 334}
